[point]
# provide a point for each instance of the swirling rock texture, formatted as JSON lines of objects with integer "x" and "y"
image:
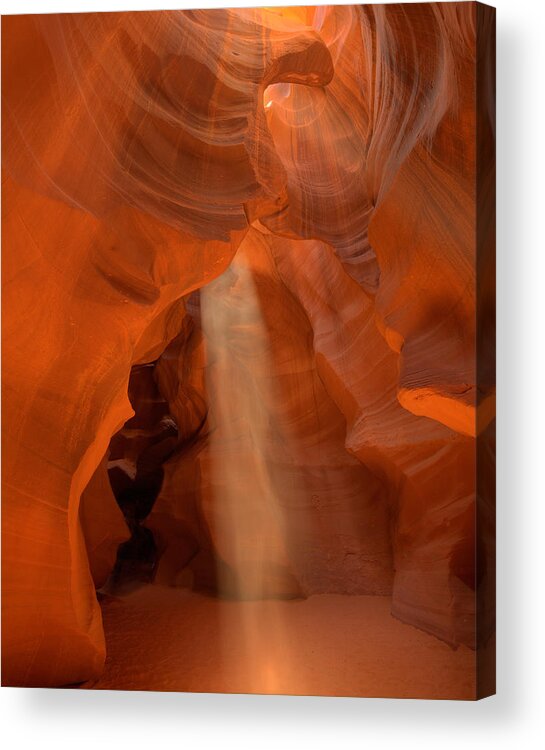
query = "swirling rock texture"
{"x": 248, "y": 328}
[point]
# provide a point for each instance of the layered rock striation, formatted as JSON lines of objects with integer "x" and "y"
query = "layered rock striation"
{"x": 268, "y": 217}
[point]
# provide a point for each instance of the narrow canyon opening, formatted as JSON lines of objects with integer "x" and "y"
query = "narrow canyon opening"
{"x": 135, "y": 459}
{"x": 262, "y": 222}
{"x": 249, "y": 519}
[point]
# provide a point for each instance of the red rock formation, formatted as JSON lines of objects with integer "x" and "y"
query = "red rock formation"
{"x": 272, "y": 431}
{"x": 313, "y": 173}
{"x": 130, "y": 148}
{"x": 103, "y": 525}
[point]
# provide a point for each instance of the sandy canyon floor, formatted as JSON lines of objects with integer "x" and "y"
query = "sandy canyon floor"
{"x": 169, "y": 639}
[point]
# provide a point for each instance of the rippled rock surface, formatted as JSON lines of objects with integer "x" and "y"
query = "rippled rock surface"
{"x": 248, "y": 317}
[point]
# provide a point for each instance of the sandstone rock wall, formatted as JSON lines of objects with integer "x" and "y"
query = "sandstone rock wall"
{"x": 331, "y": 153}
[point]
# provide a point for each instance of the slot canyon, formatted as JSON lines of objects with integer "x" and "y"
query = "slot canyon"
{"x": 248, "y": 350}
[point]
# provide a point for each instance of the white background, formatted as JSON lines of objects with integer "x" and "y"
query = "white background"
{"x": 74, "y": 719}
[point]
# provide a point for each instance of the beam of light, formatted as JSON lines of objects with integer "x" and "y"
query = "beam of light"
{"x": 244, "y": 513}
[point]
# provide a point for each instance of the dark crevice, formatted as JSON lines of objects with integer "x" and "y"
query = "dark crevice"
{"x": 137, "y": 453}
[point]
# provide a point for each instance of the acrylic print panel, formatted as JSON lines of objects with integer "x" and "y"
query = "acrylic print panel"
{"x": 248, "y": 330}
